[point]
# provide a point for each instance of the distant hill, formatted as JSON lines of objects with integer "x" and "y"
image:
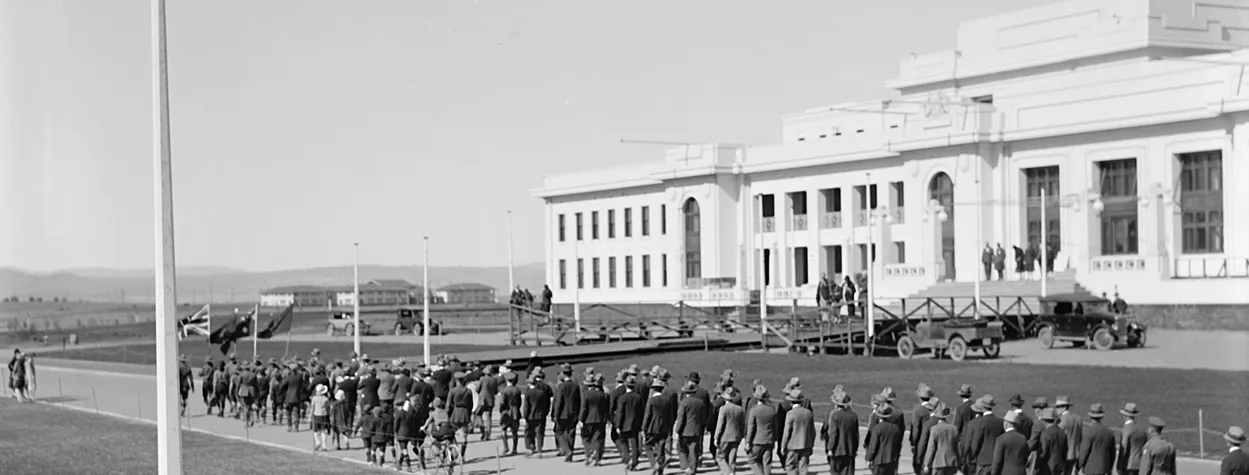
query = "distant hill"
{"x": 194, "y": 283}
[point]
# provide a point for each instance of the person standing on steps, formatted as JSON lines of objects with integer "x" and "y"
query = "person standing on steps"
{"x": 847, "y": 296}
{"x": 999, "y": 261}
{"x": 986, "y": 259}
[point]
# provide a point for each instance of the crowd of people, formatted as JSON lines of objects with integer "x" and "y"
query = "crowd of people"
{"x": 22, "y": 375}
{"x": 393, "y": 408}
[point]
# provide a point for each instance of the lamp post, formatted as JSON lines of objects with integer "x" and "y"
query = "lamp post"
{"x": 425, "y": 301}
{"x": 883, "y": 215}
{"x": 356, "y": 298}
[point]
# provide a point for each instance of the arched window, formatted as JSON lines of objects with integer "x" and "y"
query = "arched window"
{"x": 941, "y": 189}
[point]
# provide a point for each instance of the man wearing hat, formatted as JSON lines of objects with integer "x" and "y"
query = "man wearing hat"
{"x": 627, "y": 413}
{"x": 1073, "y": 427}
{"x": 564, "y": 410}
{"x": 917, "y": 423}
{"x": 963, "y": 413}
{"x": 535, "y": 406}
{"x": 709, "y": 417}
{"x": 980, "y": 435}
{"x": 186, "y": 381}
{"x": 510, "y": 413}
{"x": 657, "y": 422}
{"x": 595, "y": 412}
{"x": 1050, "y": 447}
{"x": 782, "y": 408}
{"x": 798, "y": 434}
{"x": 730, "y": 428}
{"x": 717, "y": 401}
{"x": 691, "y": 425}
{"x": 841, "y": 435}
{"x": 247, "y": 391}
{"x": 1132, "y": 439}
{"x": 884, "y": 444}
{"x": 760, "y": 431}
{"x": 1158, "y": 455}
{"x": 1010, "y": 450}
{"x": 1025, "y": 422}
{"x": 206, "y": 387}
{"x": 940, "y": 444}
{"x": 1236, "y": 462}
{"x": 385, "y": 385}
{"x": 1097, "y": 445}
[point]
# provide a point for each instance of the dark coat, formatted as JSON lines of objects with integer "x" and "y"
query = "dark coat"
{"x": 368, "y": 391}
{"x": 925, "y": 435}
{"x": 567, "y": 403}
{"x": 400, "y": 387}
{"x": 509, "y": 403}
{"x": 1051, "y": 451}
{"x": 1235, "y": 463}
{"x": 691, "y": 420}
{"x": 978, "y": 438}
{"x": 460, "y": 402}
{"x": 962, "y": 415}
{"x": 424, "y": 389}
{"x": 291, "y": 388}
{"x": 628, "y": 412}
{"x": 367, "y": 426}
{"x": 535, "y": 404}
{"x": 884, "y": 444}
{"x": 612, "y": 397}
{"x": 1097, "y": 450}
{"x": 1131, "y": 443}
{"x": 442, "y": 383}
{"x": 841, "y": 433}
{"x": 408, "y": 423}
{"x": 351, "y": 390}
{"x": 1010, "y": 454}
{"x": 915, "y": 426}
{"x": 1024, "y": 424}
{"x": 595, "y": 407}
{"x": 659, "y": 416}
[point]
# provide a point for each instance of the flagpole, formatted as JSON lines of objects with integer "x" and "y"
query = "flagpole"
{"x": 256, "y": 332}
{"x": 168, "y": 431}
{"x": 425, "y": 310}
{"x": 511, "y": 273}
{"x": 356, "y": 299}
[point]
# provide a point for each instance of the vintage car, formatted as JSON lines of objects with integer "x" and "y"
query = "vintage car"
{"x": 413, "y": 321}
{"x": 953, "y": 337}
{"x": 1085, "y": 319}
{"x": 345, "y": 323}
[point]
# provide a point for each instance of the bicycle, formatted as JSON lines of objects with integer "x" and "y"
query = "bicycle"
{"x": 444, "y": 454}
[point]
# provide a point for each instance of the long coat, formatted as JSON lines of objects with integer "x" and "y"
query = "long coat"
{"x": 978, "y": 439}
{"x": 691, "y": 420}
{"x": 1051, "y": 451}
{"x": 1010, "y": 454}
{"x": 799, "y": 429}
{"x": 1131, "y": 443}
{"x": 884, "y": 444}
{"x": 841, "y": 433}
{"x": 535, "y": 403}
{"x": 761, "y": 424}
{"x": 730, "y": 424}
{"x": 1072, "y": 426}
{"x": 658, "y": 417}
{"x": 1097, "y": 450}
{"x": 567, "y": 403}
{"x": 595, "y": 407}
{"x": 942, "y": 448}
{"x": 628, "y": 412}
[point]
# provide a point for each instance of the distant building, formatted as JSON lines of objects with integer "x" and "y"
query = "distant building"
{"x": 374, "y": 292}
{"x": 465, "y": 293}
{"x": 300, "y": 295}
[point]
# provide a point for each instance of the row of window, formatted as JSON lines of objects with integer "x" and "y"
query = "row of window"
{"x": 611, "y": 223}
{"x": 864, "y": 196}
{"x": 595, "y": 272}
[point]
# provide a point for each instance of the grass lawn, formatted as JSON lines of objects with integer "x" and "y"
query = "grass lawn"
{"x": 42, "y": 439}
{"x": 1174, "y": 395}
{"x": 196, "y": 349}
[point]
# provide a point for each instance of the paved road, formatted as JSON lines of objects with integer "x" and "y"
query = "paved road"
{"x": 133, "y": 396}
{"x": 1226, "y": 351}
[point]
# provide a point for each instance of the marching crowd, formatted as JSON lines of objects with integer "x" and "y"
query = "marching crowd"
{"x": 393, "y": 408}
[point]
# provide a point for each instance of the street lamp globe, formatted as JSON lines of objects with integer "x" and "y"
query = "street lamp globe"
{"x": 888, "y": 216}
{"x": 942, "y": 215}
{"x": 1098, "y": 205}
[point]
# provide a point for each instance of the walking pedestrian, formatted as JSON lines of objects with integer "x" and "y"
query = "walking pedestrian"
{"x": 799, "y": 434}
{"x": 657, "y": 424}
{"x": 730, "y": 429}
{"x": 628, "y": 414}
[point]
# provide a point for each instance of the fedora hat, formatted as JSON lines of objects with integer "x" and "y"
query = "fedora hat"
{"x": 657, "y": 383}
{"x": 1234, "y": 435}
{"x": 877, "y": 399}
{"x": 620, "y": 377}
{"x": 565, "y": 368}
{"x": 964, "y": 390}
{"x": 509, "y": 377}
{"x": 924, "y": 392}
{"x": 632, "y": 369}
{"x": 589, "y": 379}
{"x": 841, "y": 399}
{"x": 943, "y": 412}
{"x": 794, "y": 395}
{"x": 761, "y": 392}
{"x": 888, "y": 394}
{"x": 1047, "y": 414}
{"x": 1062, "y": 401}
{"x": 1011, "y": 417}
{"x": 631, "y": 381}
{"x": 690, "y": 387}
{"x": 1096, "y": 410}
{"x": 1130, "y": 410}
{"x": 987, "y": 402}
{"x": 1016, "y": 401}
{"x": 655, "y": 370}
{"x": 1041, "y": 403}
{"x": 884, "y": 410}
{"x": 694, "y": 377}
{"x": 794, "y": 383}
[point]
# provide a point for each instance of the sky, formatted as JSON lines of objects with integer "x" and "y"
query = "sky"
{"x": 302, "y": 126}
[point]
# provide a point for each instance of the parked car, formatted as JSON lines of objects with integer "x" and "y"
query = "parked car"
{"x": 953, "y": 337}
{"x": 1086, "y": 320}
{"x": 345, "y": 323}
{"x": 410, "y": 320}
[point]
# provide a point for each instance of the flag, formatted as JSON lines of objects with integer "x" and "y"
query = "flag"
{"x": 194, "y": 324}
{"x": 232, "y": 331}
{"x": 280, "y": 324}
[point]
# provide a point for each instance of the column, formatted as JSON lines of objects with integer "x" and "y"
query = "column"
{"x": 781, "y": 201}
{"x": 815, "y": 249}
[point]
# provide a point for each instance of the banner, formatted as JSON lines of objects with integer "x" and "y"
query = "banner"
{"x": 280, "y": 324}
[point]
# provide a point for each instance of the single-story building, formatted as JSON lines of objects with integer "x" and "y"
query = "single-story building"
{"x": 465, "y": 293}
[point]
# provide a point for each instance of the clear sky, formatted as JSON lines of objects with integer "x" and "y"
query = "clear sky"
{"x": 300, "y": 126}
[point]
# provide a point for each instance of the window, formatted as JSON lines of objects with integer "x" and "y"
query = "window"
{"x": 1201, "y": 202}
{"x": 611, "y": 272}
{"x": 769, "y": 206}
{"x": 628, "y": 224}
{"x": 563, "y": 274}
{"x": 899, "y": 194}
{"x": 899, "y": 248}
{"x": 594, "y": 269}
{"x": 1037, "y": 179}
{"x": 1118, "y": 217}
{"x": 646, "y": 271}
{"x": 594, "y": 225}
{"x": 663, "y": 261}
{"x": 579, "y": 226}
{"x": 872, "y": 196}
{"x": 580, "y": 273}
{"x": 646, "y": 220}
{"x": 628, "y": 271}
{"x": 561, "y": 228}
{"x": 663, "y": 219}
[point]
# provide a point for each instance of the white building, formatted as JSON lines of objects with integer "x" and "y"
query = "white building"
{"x": 1129, "y": 113}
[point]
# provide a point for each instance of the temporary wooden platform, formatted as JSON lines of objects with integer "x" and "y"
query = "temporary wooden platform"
{"x": 520, "y": 356}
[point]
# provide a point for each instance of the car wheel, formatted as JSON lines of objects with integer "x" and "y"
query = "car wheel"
{"x": 958, "y": 348}
{"x": 1046, "y": 335}
{"x": 329, "y": 329}
{"x": 993, "y": 350}
{"x": 906, "y": 347}
{"x": 1103, "y": 340}
{"x": 350, "y": 329}
{"x": 1140, "y": 339}
{"x": 418, "y": 330}
{"x": 398, "y": 329}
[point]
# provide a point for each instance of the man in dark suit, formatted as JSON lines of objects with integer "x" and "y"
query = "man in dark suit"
{"x": 1071, "y": 425}
{"x": 730, "y": 429}
{"x": 915, "y": 425}
{"x": 1236, "y": 462}
{"x": 564, "y": 410}
{"x": 657, "y": 422}
{"x": 941, "y": 444}
{"x": 884, "y": 444}
{"x": 1097, "y": 445}
{"x": 760, "y": 431}
{"x": 1158, "y": 455}
{"x": 510, "y": 413}
{"x": 1010, "y": 451}
{"x": 979, "y": 436}
{"x": 1132, "y": 440}
{"x": 691, "y": 424}
{"x": 700, "y": 392}
{"x": 595, "y": 412}
{"x": 841, "y": 436}
{"x": 1050, "y": 446}
{"x": 798, "y": 434}
{"x": 1024, "y": 423}
{"x": 963, "y": 413}
{"x": 535, "y": 405}
{"x": 627, "y": 413}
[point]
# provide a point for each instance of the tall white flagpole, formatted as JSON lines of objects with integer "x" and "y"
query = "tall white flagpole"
{"x": 356, "y": 299}
{"x": 511, "y": 272}
{"x": 425, "y": 306}
{"x": 255, "y": 331}
{"x": 1044, "y": 244}
{"x": 871, "y": 265}
{"x": 979, "y": 231}
{"x": 168, "y": 431}
{"x": 576, "y": 293}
